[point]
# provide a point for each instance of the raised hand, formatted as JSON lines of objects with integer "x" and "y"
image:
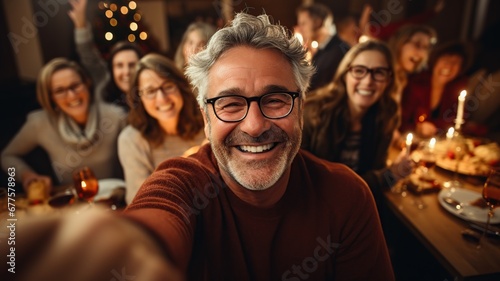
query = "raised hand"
{"x": 77, "y": 13}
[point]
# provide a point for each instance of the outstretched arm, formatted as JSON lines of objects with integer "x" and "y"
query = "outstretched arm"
{"x": 94, "y": 244}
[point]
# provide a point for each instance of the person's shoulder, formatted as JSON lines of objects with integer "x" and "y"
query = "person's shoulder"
{"x": 112, "y": 110}
{"x": 38, "y": 116}
{"x": 129, "y": 132}
{"x": 130, "y": 135}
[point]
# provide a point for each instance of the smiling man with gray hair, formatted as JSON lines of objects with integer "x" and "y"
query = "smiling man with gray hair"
{"x": 250, "y": 205}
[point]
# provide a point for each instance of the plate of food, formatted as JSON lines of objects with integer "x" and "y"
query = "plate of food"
{"x": 467, "y": 204}
{"x": 476, "y": 160}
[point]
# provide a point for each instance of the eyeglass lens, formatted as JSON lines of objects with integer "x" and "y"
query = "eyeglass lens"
{"x": 378, "y": 74}
{"x": 235, "y": 108}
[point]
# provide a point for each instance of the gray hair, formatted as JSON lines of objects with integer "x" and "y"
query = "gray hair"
{"x": 256, "y": 32}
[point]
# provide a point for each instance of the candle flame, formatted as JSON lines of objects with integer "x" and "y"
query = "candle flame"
{"x": 450, "y": 133}
{"x": 432, "y": 143}
{"x": 462, "y": 95}
{"x": 84, "y": 184}
{"x": 409, "y": 139}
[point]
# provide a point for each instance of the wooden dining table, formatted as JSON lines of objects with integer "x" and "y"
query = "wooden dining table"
{"x": 440, "y": 231}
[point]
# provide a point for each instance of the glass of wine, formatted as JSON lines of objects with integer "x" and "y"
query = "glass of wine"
{"x": 426, "y": 158}
{"x": 86, "y": 184}
{"x": 491, "y": 194}
{"x": 63, "y": 198}
{"x": 459, "y": 149}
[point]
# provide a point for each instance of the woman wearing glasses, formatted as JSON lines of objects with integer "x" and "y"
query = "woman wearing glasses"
{"x": 352, "y": 119}
{"x": 71, "y": 127}
{"x": 164, "y": 120}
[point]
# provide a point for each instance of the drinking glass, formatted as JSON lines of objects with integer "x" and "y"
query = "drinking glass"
{"x": 491, "y": 194}
{"x": 63, "y": 198}
{"x": 426, "y": 158}
{"x": 86, "y": 184}
{"x": 459, "y": 148}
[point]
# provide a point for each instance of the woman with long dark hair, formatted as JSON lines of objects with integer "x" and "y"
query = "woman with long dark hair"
{"x": 165, "y": 120}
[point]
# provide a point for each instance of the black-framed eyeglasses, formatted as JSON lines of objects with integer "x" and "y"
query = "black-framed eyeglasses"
{"x": 380, "y": 74}
{"x": 234, "y": 108}
{"x": 166, "y": 88}
{"x": 60, "y": 93}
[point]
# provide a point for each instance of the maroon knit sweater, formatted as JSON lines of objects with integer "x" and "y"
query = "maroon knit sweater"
{"x": 325, "y": 227}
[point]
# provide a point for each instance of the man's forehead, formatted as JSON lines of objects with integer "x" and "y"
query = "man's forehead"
{"x": 248, "y": 69}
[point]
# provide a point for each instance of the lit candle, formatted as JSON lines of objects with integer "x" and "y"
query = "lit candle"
{"x": 432, "y": 144}
{"x": 460, "y": 109}
{"x": 450, "y": 133}
{"x": 409, "y": 139}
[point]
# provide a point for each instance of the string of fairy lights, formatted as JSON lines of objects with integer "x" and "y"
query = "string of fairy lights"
{"x": 120, "y": 14}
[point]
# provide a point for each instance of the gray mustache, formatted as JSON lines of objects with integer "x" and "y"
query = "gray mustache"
{"x": 274, "y": 134}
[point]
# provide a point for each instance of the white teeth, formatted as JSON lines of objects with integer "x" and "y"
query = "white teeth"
{"x": 365, "y": 92}
{"x": 256, "y": 149}
{"x": 75, "y": 103}
{"x": 165, "y": 107}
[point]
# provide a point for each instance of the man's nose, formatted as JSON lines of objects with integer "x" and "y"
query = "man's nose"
{"x": 255, "y": 123}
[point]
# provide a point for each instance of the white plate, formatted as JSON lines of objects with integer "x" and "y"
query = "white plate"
{"x": 106, "y": 187}
{"x": 468, "y": 212}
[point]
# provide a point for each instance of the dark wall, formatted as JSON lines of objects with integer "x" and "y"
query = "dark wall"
{"x": 56, "y": 35}
{"x": 8, "y": 69}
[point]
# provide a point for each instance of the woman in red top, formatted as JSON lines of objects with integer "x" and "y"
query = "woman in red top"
{"x": 429, "y": 102}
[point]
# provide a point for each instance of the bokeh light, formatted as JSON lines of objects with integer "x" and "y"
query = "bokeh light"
{"x": 124, "y": 10}
{"x": 143, "y": 35}
{"x": 133, "y": 26}
{"x": 131, "y": 38}
{"x": 132, "y": 5}
{"x": 108, "y": 36}
{"x": 109, "y": 14}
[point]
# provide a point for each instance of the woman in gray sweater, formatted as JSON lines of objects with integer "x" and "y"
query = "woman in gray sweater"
{"x": 72, "y": 127}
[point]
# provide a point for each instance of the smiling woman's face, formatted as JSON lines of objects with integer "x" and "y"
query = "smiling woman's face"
{"x": 123, "y": 64}
{"x": 70, "y": 94}
{"x": 447, "y": 68}
{"x": 366, "y": 91}
{"x": 415, "y": 52}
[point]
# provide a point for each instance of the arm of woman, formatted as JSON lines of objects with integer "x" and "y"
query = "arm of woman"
{"x": 90, "y": 56}
{"x": 134, "y": 155}
{"x": 21, "y": 144}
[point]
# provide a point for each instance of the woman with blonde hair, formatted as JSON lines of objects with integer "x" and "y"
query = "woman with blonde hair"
{"x": 194, "y": 39}
{"x": 411, "y": 46}
{"x": 164, "y": 120}
{"x": 72, "y": 127}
